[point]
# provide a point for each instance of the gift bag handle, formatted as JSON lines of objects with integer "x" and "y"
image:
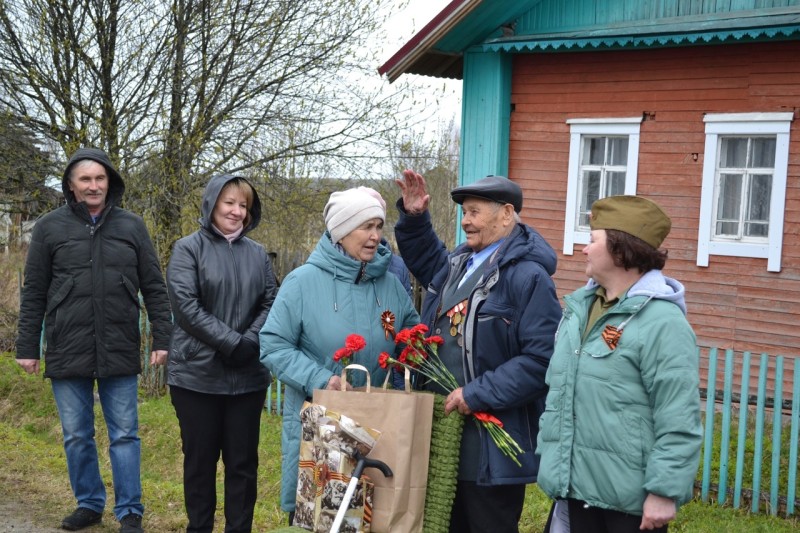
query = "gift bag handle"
{"x": 355, "y": 367}
{"x": 406, "y": 380}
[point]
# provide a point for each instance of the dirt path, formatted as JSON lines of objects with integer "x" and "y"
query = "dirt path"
{"x": 12, "y": 520}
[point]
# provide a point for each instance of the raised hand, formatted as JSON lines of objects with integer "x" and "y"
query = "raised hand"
{"x": 415, "y": 192}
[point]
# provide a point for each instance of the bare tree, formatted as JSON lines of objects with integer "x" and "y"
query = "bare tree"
{"x": 292, "y": 220}
{"x": 83, "y": 71}
{"x": 176, "y": 90}
{"x": 437, "y": 160}
{"x": 25, "y": 166}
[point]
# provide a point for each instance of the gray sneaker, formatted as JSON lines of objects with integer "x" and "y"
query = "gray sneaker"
{"x": 131, "y": 523}
{"x": 80, "y": 518}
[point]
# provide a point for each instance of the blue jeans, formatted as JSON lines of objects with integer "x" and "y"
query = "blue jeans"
{"x": 118, "y": 398}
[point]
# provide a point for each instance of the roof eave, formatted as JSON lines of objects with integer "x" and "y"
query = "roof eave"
{"x": 427, "y": 54}
{"x": 407, "y": 58}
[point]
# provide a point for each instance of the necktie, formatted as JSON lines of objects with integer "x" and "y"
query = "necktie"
{"x": 467, "y": 272}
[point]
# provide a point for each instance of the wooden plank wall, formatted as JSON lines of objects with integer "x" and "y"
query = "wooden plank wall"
{"x": 734, "y": 302}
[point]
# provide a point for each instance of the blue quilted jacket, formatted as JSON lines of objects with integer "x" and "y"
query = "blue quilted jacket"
{"x": 512, "y": 317}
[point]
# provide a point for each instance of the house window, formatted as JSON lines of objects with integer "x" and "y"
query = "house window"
{"x": 744, "y": 186}
{"x": 603, "y": 161}
{"x": 744, "y": 182}
{"x": 603, "y": 167}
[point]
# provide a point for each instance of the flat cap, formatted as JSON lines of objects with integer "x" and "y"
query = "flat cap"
{"x": 494, "y": 188}
{"x": 634, "y": 215}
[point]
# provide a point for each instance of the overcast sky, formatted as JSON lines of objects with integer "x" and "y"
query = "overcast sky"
{"x": 400, "y": 28}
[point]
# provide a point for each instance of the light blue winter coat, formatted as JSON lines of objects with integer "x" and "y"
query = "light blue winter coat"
{"x": 318, "y": 305}
{"x": 621, "y": 423}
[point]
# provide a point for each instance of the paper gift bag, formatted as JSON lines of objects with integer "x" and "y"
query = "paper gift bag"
{"x": 404, "y": 419}
{"x": 327, "y": 449}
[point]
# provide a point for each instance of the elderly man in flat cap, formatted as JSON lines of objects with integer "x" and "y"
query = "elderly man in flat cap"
{"x": 495, "y": 305}
{"x": 620, "y": 439}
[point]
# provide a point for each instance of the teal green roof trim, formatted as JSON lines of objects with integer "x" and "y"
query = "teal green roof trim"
{"x": 551, "y": 43}
{"x": 493, "y": 26}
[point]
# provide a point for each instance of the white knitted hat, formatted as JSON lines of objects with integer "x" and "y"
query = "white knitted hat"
{"x": 374, "y": 193}
{"x": 347, "y": 210}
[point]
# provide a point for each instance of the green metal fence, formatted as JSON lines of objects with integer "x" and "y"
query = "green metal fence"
{"x": 760, "y": 429}
{"x": 752, "y": 419}
{"x": 274, "y": 403}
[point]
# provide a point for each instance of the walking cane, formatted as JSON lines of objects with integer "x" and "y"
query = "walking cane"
{"x": 361, "y": 463}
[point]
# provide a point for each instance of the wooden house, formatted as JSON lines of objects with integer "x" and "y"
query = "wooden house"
{"x": 691, "y": 103}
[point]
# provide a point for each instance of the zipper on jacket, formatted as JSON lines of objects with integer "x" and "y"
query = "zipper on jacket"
{"x": 476, "y": 298}
{"x": 362, "y": 272}
{"x": 92, "y": 229}
{"x": 238, "y": 287}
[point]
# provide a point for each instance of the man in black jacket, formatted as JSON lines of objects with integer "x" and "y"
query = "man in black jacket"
{"x": 87, "y": 262}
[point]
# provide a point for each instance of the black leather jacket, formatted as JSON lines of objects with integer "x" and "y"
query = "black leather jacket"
{"x": 220, "y": 292}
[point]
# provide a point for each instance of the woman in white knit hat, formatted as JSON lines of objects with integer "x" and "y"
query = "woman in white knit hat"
{"x": 342, "y": 289}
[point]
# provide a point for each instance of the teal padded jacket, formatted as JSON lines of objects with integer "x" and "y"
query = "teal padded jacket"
{"x": 318, "y": 305}
{"x": 621, "y": 423}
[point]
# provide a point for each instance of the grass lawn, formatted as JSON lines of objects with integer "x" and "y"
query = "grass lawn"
{"x": 34, "y": 472}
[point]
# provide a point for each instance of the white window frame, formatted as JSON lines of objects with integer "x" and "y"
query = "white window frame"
{"x": 607, "y": 127}
{"x": 750, "y": 124}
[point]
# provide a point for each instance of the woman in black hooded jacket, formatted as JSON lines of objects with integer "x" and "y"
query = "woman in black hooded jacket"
{"x": 221, "y": 286}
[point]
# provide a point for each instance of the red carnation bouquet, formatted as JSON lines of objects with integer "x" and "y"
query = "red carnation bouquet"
{"x": 352, "y": 344}
{"x": 421, "y": 355}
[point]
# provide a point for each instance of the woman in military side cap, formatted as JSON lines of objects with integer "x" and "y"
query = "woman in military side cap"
{"x": 620, "y": 438}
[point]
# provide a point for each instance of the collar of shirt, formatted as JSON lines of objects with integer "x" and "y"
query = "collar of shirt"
{"x": 605, "y": 303}
{"x": 599, "y": 306}
{"x": 477, "y": 258}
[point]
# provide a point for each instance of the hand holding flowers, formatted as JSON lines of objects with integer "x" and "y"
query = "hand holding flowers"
{"x": 455, "y": 402}
{"x": 421, "y": 355}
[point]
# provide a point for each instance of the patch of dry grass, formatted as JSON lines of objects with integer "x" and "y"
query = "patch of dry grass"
{"x": 11, "y": 265}
{"x": 34, "y": 474}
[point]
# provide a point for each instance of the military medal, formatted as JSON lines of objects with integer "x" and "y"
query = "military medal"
{"x": 456, "y": 316}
